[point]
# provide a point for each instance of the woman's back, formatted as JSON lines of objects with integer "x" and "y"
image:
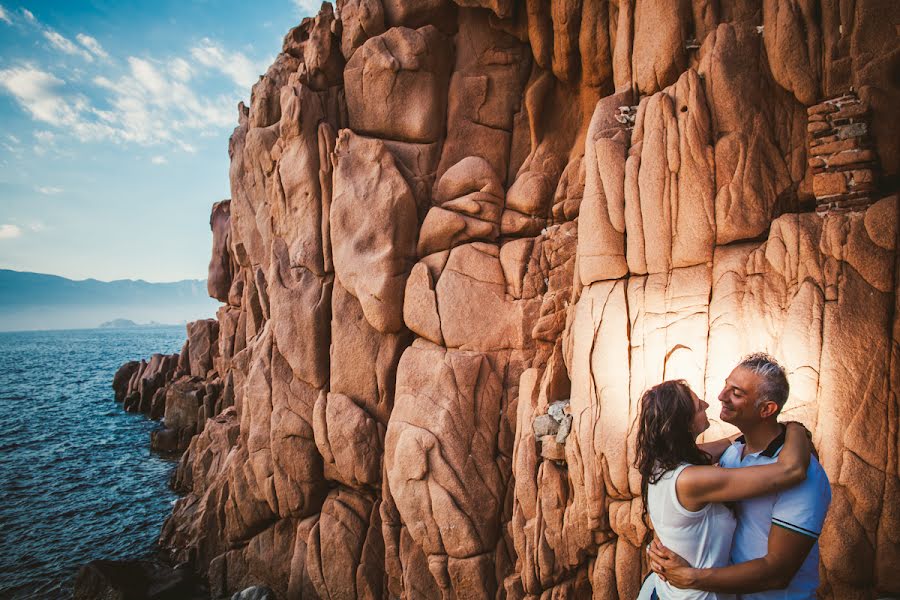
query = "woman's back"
{"x": 702, "y": 537}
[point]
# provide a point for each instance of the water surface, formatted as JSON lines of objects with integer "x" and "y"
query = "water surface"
{"x": 77, "y": 477}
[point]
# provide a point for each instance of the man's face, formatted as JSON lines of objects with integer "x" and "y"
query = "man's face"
{"x": 738, "y": 398}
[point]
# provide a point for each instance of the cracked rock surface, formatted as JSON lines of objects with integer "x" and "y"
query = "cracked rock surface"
{"x": 465, "y": 236}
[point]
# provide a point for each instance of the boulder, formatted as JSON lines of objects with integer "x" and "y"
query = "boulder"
{"x": 221, "y": 264}
{"x": 409, "y": 70}
{"x": 122, "y": 378}
{"x": 203, "y": 346}
{"x": 374, "y": 226}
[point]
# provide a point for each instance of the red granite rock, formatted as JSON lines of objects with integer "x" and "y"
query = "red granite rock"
{"x": 360, "y": 20}
{"x": 407, "y": 68}
{"x": 203, "y": 346}
{"x": 221, "y": 265}
{"x": 451, "y": 221}
{"x": 122, "y": 379}
{"x": 374, "y": 249}
{"x": 469, "y": 201}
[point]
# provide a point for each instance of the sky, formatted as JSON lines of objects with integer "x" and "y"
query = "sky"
{"x": 115, "y": 123}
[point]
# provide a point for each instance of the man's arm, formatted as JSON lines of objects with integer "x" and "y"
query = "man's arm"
{"x": 786, "y": 552}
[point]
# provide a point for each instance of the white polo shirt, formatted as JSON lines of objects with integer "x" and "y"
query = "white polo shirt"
{"x": 801, "y": 509}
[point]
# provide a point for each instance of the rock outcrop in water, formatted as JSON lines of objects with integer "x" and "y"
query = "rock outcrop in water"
{"x": 464, "y": 237}
{"x": 183, "y": 390}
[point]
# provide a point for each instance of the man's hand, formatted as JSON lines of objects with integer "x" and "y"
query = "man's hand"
{"x": 670, "y": 567}
{"x": 786, "y": 552}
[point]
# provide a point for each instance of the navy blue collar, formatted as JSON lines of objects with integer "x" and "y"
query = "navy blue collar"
{"x": 774, "y": 446}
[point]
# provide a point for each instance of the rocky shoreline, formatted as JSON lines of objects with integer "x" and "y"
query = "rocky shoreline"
{"x": 180, "y": 389}
{"x": 465, "y": 236}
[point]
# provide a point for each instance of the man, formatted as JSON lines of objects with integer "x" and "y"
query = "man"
{"x": 775, "y": 551}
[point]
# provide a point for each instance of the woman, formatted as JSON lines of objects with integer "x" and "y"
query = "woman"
{"x": 684, "y": 492}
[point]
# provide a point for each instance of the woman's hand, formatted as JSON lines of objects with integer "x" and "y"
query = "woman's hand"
{"x": 809, "y": 436}
{"x": 794, "y": 456}
{"x": 669, "y": 566}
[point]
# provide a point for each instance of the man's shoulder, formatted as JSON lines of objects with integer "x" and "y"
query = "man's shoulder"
{"x": 815, "y": 486}
{"x": 816, "y": 475}
{"x": 803, "y": 508}
{"x": 732, "y": 456}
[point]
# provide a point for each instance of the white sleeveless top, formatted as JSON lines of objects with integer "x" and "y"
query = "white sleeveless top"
{"x": 703, "y": 538}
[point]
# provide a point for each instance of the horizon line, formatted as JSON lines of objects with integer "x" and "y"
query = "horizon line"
{"x": 141, "y": 280}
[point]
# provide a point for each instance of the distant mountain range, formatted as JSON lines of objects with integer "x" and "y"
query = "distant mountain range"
{"x": 40, "y": 301}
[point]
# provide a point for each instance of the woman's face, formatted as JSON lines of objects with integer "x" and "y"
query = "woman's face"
{"x": 699, "y": 423}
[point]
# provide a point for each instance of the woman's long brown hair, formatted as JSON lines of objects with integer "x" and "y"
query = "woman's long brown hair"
{"x": 664, "y": 437}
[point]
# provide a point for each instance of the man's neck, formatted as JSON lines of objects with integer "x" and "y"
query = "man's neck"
{"x": 758, "y": 437}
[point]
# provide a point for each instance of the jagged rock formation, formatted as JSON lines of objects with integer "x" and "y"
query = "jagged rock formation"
{"x": 463, "y": 239}
{"x": 184, "y": 390}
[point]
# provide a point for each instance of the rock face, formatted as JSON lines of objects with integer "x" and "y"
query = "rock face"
{"x": 464, "y": 238}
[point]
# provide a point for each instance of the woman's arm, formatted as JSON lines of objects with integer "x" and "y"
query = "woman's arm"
{"x": 699, "y": 485}
{"x": 716, "y": 448}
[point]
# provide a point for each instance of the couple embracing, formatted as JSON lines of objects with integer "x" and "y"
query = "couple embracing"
{"x": 723, "y": 532}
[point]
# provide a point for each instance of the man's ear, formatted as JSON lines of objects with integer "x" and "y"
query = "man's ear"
{"x": 768, "y": 409}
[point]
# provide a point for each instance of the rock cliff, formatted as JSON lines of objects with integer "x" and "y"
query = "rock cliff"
{"x": 464, "y": 237}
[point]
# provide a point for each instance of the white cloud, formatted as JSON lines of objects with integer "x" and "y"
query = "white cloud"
{"x": 4, "y": 16}
{"x": 235, "y": 65}
{"x": 41, "y": 95}
{"x": 92, "y": 45}
{"x": 89, "y": 48}
{"x": 8, "y": 231}
{"x": 14, "y": 150}
{"x": 307, "y": 8}
{"x": 48, "y": 190}
{"x": 147, "y": 76}
{"x": 38, "y": 92}
{"x": 180, "y": 69}
{"x": 45, "y": 141}
{"x": 150, "y": 104}
{"x": 66, "y": 45}
{"x": 159, "y": 160}
{"x": 14, "y": 146}
{"x": 139, "y": 100}
{"x": 146, "y": 106}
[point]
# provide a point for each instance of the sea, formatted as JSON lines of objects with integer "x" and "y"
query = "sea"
{"x": 77, "y": 479}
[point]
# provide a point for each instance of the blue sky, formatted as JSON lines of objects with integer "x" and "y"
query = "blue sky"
{"x": 115, "y": 125}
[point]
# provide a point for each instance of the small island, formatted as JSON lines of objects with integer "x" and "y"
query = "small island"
{"x": 128, "y": 324}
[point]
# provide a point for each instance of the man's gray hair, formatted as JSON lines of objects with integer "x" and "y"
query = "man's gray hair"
{"x": 774, "y": 386}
